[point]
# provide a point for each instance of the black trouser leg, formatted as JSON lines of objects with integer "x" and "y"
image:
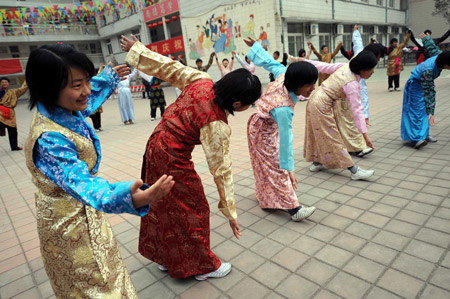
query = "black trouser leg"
{"x": 397, "y": 81}
{"x": 390, "y": 80}
{"x": 96, "y": 120}
{"x": 12, "y": 135}
{"x": 163, "y": 109}
{"x": 153, "y": 113}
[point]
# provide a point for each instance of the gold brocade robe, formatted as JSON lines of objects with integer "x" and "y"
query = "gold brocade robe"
{"x": 397, "y": 53}
{"x": 353, "y": 139}
{"x": 9, "y": 100}
{"x": 324, "y": 142}
{"x": 79, "y": 250}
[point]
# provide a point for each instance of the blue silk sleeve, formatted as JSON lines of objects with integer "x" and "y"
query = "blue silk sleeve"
{"x": 103, "y": 86}
{"x": 262, "y": 58}
{"x": 56, "y": 157}
{"x": 283, "y": 117}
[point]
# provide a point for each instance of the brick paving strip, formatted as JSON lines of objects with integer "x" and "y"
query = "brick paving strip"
{"x": 385, "y": 238}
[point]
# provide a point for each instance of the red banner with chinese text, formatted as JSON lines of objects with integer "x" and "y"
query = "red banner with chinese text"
{"x": 169, "y": 46}
{"x": 160, "y": 9}
{"x": 10, "y": 66}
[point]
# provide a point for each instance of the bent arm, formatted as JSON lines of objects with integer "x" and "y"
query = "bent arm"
{"x": 261, "y": 58}
{"x": 336, "y": 51}
{"x": 405, "y": 40}
{"x": 442, "y": 38}
{"x": 357, "y": 42}
{"x": 327, "y": 68}
{"x": 429, "y": 91}
{"x": 57, "y": 158}
{"x": 162, "y": 67}
{"x": 21, "y": 90}
{"x": 352, "y": 91}
{"x": 319, "y": 56}
{"x": 210, "y": 62}
{"x": 215, "y": 139}
{"x": 430, "y": 46}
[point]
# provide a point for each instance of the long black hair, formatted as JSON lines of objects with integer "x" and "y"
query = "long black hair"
{"x": 48, "y": 69}
{"x": 237, "y": 86}
{"x": 299, "y": 74}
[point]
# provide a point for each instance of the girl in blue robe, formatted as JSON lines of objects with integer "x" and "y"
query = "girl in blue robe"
{"x": 419, "y": 97}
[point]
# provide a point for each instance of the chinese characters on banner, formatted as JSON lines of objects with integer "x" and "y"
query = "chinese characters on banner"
{"x": 160, "y": 9}
{"x": 169, "y": 46}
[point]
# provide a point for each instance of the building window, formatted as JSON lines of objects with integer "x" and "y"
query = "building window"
{"x": 32, "y": 48}
{"x": 95, "y": 48}
{"x": 380, "y": 2}
{"x": 109, "y": 46}
{"x": 15, "y": 53}
{"x": 324, "y": 40}
{"x": 295, "y": 43}
{"x": 366, "y": 1}
{"x": 347, "y": 42}
{"x": 294, "y": 27}
{"x": 391, "y": 3}
{"x": 136, "y": 33}
{"x": 83, "y": 48}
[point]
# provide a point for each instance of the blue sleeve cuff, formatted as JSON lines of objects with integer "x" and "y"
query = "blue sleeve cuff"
{"x": 122, "y": 191}
{"x": 283, "y": 117}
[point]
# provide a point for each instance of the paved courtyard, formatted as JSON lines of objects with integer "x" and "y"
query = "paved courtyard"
{"x": 388, "y": 237}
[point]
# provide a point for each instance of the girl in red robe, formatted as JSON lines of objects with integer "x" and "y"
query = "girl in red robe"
{"x": 175, "y": 232}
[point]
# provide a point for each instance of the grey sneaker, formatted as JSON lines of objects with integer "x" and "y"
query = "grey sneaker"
{"x": 161, "y": 267}
{"x": 362, "y": 174}
{"x": 420, "y": 143}
{"x": 316, "y": 168}
{"x": 431, "y": 139}
{"x": 364, "y": 152}
{"x": 303, "y": 213}
{"x": 223, "y": 271}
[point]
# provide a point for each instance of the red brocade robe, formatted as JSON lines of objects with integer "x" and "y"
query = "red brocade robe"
{"x": 175, "y": 232}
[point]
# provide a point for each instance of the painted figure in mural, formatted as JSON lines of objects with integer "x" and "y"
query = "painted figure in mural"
{"x": 214, "y": 29}
{"x": 226, "y": 66}
{"x": 325, "y": 56}
{"x": 199, "y": 42}
{"x": 249, "y": 29}
{"x": 208, "y": 42}
{"x": 237, "y": 29}
{"x": 263, "y": 38}
{"x": 221, "y": 42}
{"x": 230, "y": 46}
{"x": 193, "y": 50}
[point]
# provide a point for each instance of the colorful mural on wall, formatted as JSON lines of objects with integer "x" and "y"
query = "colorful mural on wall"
{"x": 220, "y": 30}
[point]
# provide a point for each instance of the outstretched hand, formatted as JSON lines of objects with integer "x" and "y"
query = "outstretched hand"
{"x": 249, "y": 41}
{"x": 121, "y": 70}
{"x": 153, "y": 194}
{"x": 422, "y": 35}
{"x": 126, "y": 44}
{"x": 235, "y": 228}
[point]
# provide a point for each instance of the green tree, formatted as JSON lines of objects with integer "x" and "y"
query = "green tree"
{"x": 442, "y": 8}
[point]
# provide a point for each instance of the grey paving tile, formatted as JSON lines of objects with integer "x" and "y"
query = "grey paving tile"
{"x": 413, "y": 266}
{"x": 307, "y": 245}
{"x": 412, "y": 217}
{"x": 29, "y": 294}
{"x": 348, "y": 242}
{"x": 446, "y": 261}
{"x": 247, "y": 261}
{"x": 14, "y": 274}
{"x": 400, "y": 284}
{"x": 317, "y": 271}
{"x": 428, "y": 199}
{"x": 45, "y": 289}
{"x": 394, "y": 201}
{"x": 421, "y": 208}
{"x": 333, "y": 255}
{"x": 324, "y": 294}
{"x": 403, "y": 228}
{"x": 295, "y": 286}
{"x": 248, "y": 288}
{"x": 322, "y": 233}
{"x": 142, "y": 279}
{"x": 227, "y": 250}
{"x": 432, "y": 292}
{"x": 156, "y": 290}
{"x": 424, "y": 251}
{"x": 434, "y": 237}
{"x": 270, "y": 274}
{"x": 16, "y": 287}
{"x": 227, "y": 282}
{"x": 442, "y": 212}
{"x": 284, "y": 235}
{"x": 290, "y": 259}
{"x": 378, "y": 253}
{"x": 341, "y": 284}
{"x": 336, "y": 221}
{"x": 438, "y": 224}
{"x": 377, "y": 293}
{"x": 248, "y": 239}
{"x": 267, "y": 248}
{"x": 362, "y": 230}
{"x": 179, "y": 285}
{"x": 264, "y": 227}
{"x": 441, "y": 278}
{"x": 202, "y": 290}
{"x": 349, "y": 212}
{"x": 364, "y": 268}
{"x": 373, "y": 219}
{"x": 394, "y": 241}
{"x": 360, "y": 203}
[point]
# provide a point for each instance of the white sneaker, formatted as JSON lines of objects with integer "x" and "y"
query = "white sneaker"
{"x": 303, "y": 213}
{"x": 362, "y": 174}
{"x": 161, "y": 267}
{"x": 364, "y": 152}
{"x": 391, "y": 89}
{"x": 152, "y": 119}
{"x": 397, "y": 89}
{"x": 223, "y": 271}
{"x": 316, "y": 168}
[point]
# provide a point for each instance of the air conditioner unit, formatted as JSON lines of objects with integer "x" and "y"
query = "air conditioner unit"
{"x": 313, "y": 29}
{"x": 389, "y": 29}
{"x": 376, "y": 30}
{"x": 400, "y": 30}
{"x": 340, "y": 29}
{"x": 361, "y": 29}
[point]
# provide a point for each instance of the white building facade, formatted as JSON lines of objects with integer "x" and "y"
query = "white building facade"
{"x": 285, "y": 25}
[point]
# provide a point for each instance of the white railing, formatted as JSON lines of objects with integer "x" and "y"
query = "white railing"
{"x": 47, "y": 29}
